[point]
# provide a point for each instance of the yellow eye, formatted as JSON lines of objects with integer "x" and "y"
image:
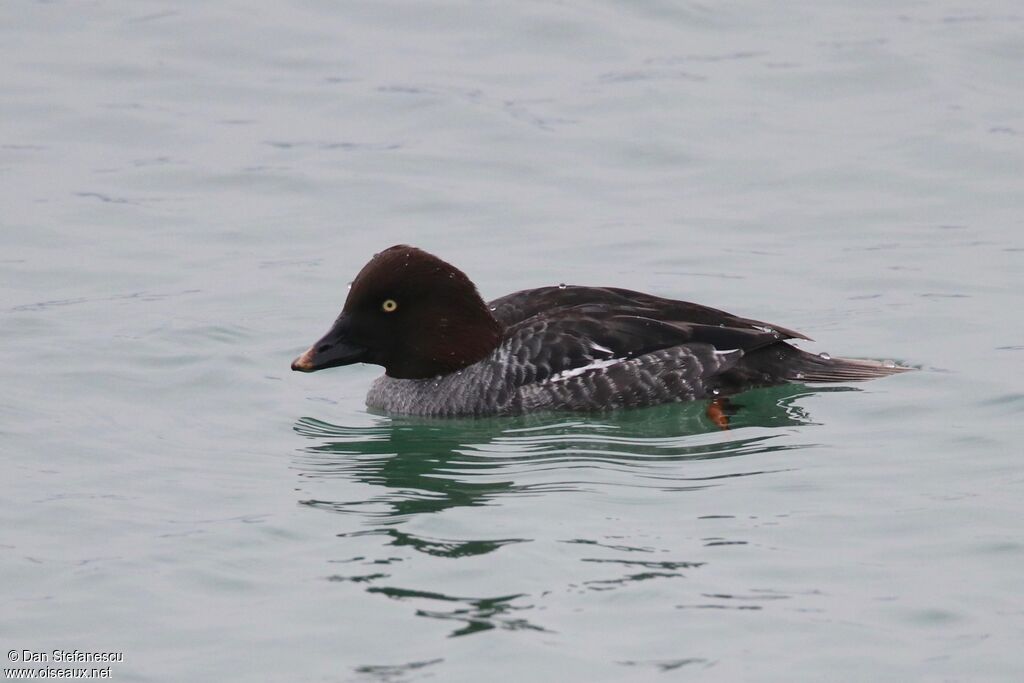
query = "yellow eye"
{"x": 389, "y": 305}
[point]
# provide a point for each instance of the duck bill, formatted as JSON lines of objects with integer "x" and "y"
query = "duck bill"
{"x": 333, "y": 349}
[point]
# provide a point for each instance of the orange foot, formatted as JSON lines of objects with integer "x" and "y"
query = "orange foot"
{"x": 717, "y": 414}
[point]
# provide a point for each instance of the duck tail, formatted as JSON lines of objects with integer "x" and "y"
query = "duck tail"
{"x": 810, "y": 367}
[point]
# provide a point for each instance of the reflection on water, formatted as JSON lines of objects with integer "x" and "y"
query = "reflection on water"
{"x": 420, "y": 465}
{"x": 477, "y": 614}
{"x": 395, "y": 672}
{"x": 405, "y": 467}
{"x": 433, "y": 546}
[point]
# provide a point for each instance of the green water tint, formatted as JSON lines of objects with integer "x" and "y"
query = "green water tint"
{"x": 420, "y": 466}
{"x": 426, "y": 466}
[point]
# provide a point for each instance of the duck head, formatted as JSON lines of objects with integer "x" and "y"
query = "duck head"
{"x": 410, "y": 312}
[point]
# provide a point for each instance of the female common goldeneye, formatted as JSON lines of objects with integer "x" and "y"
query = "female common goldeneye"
{"x": 447, "y": 353}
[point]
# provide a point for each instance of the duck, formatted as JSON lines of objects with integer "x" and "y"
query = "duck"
{"x": 448, "y": 353}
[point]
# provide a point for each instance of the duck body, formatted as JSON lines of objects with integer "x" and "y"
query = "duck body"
{"x": 565, "y": 348}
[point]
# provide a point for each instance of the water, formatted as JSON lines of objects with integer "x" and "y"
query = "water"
{"x": 187, "y": 189}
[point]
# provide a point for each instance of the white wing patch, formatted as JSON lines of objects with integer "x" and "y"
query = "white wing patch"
{"x": 603, "y": 349}
{"x": 574, "y": 372}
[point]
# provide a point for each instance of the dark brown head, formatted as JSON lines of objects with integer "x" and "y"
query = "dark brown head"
{"x": 410, "y": 312}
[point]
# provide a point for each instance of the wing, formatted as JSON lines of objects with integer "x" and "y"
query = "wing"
{"x": 547, "y": 348}
{"x": 521, "y": 306}
{"x": 679, "y": 373}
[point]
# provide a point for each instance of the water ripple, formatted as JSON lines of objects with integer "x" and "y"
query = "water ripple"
{"x": 476, "y": 614}
{"x": 388, "y": 474}
{"x": 415, "y": 466}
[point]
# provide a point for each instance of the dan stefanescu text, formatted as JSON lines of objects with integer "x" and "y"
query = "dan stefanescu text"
{"x": 71, "y": 656}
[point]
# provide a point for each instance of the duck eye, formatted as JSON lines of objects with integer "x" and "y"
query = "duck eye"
{"x": 389, "y": 306}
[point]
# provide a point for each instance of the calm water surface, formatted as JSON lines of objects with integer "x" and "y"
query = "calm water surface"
{"x": 187, "y": 188}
